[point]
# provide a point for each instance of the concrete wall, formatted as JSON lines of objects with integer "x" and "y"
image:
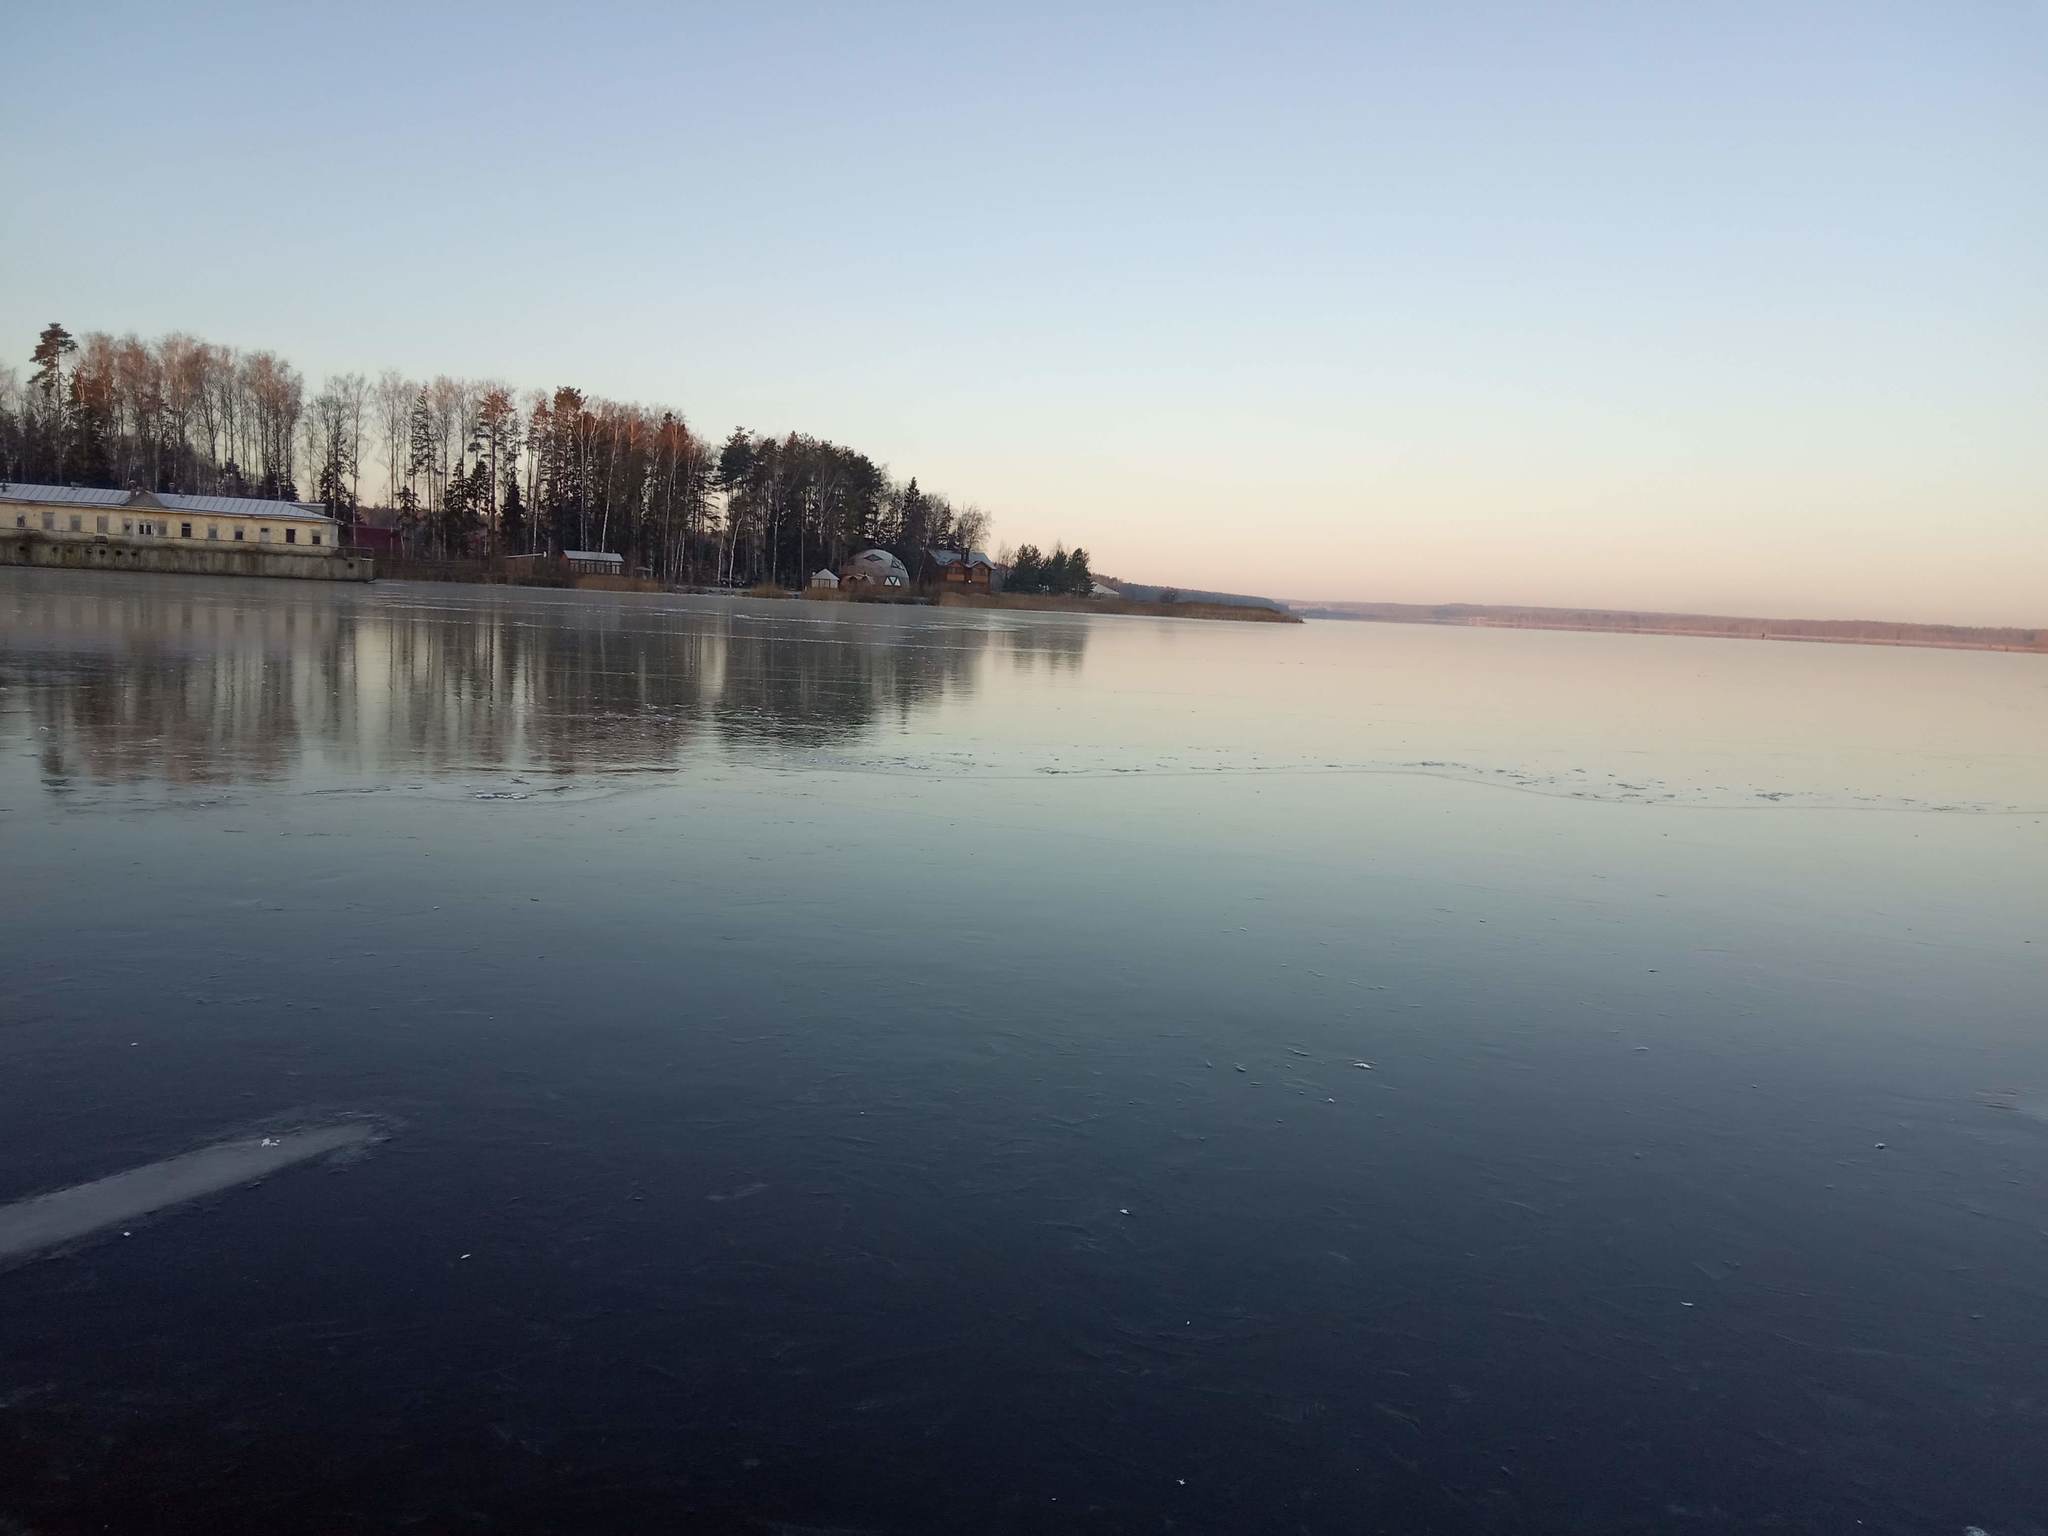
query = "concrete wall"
{"x": 185, "y": 557}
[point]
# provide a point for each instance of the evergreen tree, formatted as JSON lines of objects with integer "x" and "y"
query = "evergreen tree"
{"x": 512, "y": 514}
{"x": 334, "y": 482}
{"x": 409, "y": 519}
{"x": 1080, "y": 580}
{"x": 478, "y": 496}
{"x": 423, "y": 445}
{"x": 458, "y": 518}
{"x": 50, "y": 446}
{"x": 916, "y": 535}
{"x": 336, "y": 488}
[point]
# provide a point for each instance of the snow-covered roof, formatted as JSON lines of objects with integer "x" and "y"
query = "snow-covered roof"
{"x": 604, "y": 557}
{"x": 948, "y": 556}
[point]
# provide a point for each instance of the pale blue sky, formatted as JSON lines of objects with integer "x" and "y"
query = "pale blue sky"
{"x": 1737, "y": 308}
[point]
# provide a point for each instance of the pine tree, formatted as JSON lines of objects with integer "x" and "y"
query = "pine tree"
{"x": 48, "y": 382}
{"x": 409, "y": 519}
{"x": 478, "y": 496}
{"x": 423, "y": 455}
{"x": 512, "y": 514}
{"x": 454, "y": 510}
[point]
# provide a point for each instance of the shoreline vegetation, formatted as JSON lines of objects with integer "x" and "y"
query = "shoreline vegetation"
{"x": 454, "y": 470}
{"x": 1950, "y": 637}
{"x": 443, "y": 479}
{"x": 479, "y": 573}
{"x": 1033, "y": 602}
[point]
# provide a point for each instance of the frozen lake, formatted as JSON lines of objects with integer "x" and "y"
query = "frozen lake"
{"x": 898, "y": 1070}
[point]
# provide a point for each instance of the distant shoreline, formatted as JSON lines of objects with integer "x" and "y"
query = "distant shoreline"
{"x": 1946, "y": 637}
{"x": 1034, "y": 602}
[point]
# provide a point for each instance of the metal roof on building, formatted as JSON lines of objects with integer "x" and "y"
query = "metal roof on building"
{"x": 948, "y": 556}
{"x": 213, "y": 506}
{"x": 241, "y": 506}
{"x": 594, "y": 554}
{"x": 62, "y": 495}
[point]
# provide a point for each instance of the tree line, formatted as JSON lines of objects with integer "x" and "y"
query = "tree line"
{"x": 1062, "y": 573}
{"x": 468, "y": 466}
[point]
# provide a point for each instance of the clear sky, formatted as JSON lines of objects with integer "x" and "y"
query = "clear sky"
{"x": 1725, "y": 307}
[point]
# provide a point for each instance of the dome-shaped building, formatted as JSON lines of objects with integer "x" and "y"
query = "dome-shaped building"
{"x": 874, "y": 567}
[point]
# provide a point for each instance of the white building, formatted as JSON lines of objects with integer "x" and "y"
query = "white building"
{"x": 79, "y": 512}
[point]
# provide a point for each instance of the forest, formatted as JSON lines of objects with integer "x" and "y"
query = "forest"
{"x": 463, "y": 467}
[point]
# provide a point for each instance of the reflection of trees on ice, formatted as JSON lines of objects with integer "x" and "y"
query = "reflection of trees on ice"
{"x": 187, "y": 681}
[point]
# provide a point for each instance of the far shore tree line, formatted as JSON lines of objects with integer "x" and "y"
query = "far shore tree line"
{"x": 474, "y": 467}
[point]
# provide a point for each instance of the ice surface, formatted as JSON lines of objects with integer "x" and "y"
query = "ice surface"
{"x": 31, "y": 1226}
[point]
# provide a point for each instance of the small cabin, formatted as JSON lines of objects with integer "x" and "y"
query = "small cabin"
{"x": 594, "y": 562}
{"x": 958, "y": 568}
